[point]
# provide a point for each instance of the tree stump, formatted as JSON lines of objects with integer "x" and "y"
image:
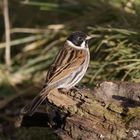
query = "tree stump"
{"x": 109, "y": 111}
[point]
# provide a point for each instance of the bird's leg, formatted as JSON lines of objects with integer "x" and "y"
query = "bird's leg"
{"x": 63, "y": 90}
{"x": 77, "y": 90}
{"x": 74, "y": 91}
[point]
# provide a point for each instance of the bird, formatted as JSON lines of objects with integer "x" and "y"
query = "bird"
{"x": 67, "y": 69}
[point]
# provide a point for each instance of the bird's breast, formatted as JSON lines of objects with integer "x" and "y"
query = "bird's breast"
{"x": 78, "y": 74}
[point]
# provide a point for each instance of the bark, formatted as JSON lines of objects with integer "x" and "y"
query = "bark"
{"x": 110, "y": 111}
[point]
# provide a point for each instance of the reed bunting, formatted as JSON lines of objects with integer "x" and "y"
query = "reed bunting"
{"x": 67, "y": 70}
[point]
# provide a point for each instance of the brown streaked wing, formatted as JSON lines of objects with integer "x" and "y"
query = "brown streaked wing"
{"x": 68, "y": 60}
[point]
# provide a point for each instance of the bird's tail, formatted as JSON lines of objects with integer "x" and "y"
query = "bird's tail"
{"x": 29, "y": 109}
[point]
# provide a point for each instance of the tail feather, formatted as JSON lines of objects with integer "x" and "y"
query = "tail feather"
{"x": 31, "y": 108}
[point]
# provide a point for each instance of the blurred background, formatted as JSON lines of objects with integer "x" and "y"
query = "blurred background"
{"x": 32, "y": 32}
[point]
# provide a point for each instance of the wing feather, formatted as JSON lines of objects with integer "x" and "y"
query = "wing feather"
{"x": 68, "y": 60}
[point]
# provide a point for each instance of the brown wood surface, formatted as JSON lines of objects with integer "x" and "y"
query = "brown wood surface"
{"x": 110, "y": 111}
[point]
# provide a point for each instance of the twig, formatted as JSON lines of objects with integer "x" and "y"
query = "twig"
{"x": 24, "y": 40}
{"x": 7, "y": 33}
{"x": 52, "y": 44}
{"x": 27, "y": 30}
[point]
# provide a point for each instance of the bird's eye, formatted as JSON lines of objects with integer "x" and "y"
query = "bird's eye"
{"x": 79, "y": 38}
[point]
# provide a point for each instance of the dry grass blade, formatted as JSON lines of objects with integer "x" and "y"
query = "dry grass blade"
{"x": 7, "y": 33}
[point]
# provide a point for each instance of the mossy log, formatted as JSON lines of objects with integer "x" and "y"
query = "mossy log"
{"x": 109, "y": 111}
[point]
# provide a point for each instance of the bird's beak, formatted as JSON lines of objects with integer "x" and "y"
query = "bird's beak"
{"x": 92, "y": 36}
{"x": 88, "y": 37}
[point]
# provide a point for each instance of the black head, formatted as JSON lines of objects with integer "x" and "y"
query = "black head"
{"x": 77, "y": 38}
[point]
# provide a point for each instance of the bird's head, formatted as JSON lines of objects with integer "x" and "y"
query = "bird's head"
{"x": 78, "y": 40}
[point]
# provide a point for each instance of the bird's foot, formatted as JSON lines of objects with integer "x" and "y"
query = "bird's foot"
{"x": 63, "y": 90}
{"x": 77, "y": 92}
{"x": 76, "y": 89}
{"x": 74, "y": 92}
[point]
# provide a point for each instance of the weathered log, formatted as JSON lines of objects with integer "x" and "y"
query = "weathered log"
{"x": 110, "y": 111}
